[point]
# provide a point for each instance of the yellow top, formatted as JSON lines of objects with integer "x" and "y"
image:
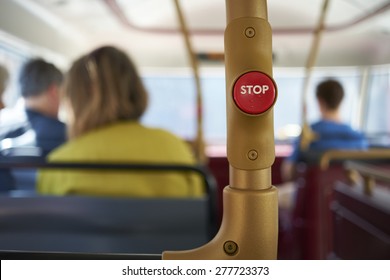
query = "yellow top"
{"x": 124, "y": 142}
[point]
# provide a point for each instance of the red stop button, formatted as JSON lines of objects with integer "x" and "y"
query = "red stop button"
{"x": 254, "y": 92}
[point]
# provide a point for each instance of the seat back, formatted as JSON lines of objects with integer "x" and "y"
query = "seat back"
{"x": 22, "y": 178}
{"x": 102, "y": 225}
{"x": 312, "y": 217}
{"x": 361, "y": 209}
{"x": 91, "y": 224}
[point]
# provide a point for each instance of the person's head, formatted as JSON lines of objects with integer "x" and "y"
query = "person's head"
{"x": 329, "y": 94}
{"x": 39, "y": 85}
{"x": 4, "y": 76}
{"x": 100, "y": 88}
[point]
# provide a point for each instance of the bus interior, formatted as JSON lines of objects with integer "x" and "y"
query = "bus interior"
{"x": 337, "y": 206}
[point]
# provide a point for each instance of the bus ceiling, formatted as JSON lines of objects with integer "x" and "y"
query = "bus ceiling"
{"x": 356, "y": 32}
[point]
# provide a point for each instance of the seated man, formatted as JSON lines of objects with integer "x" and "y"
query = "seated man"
{"x": 330, "y": 132}
{"x": 39, "y": 83}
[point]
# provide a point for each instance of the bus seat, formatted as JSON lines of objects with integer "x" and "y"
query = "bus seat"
{"x": 361, "y": 220}
{"x": 311, "y": 216}
{"x": 101, "y": 225}
{"x": 204, "y": 209}
{"x": 24, "y": 179}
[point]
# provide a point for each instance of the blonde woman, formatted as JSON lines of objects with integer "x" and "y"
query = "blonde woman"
{"x": 104, "y": 99}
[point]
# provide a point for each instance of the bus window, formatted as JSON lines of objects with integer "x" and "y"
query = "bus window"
{"x": 12, "y": 58}
{"x": 288, "y": 109}
{"x": 172, "y": 104}
{"x": 172, "y": 95}
{"x": 377, "y": 124}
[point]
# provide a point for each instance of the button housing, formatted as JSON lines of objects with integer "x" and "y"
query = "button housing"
{"x": 254, "y": 92}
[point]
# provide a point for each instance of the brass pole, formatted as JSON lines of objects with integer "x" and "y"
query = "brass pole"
{"x": 308, "y": 135}
{"x": 249, "y": 226}
{"x": 199, "y": 140}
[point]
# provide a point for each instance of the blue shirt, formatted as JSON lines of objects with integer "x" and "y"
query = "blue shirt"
{"x": 331, "y": 135}
{"x": 49, "y": 132}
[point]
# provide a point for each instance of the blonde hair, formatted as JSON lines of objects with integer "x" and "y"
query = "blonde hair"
{"x": 101, "y": 88}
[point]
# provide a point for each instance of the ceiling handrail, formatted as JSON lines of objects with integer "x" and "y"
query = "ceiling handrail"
{"x": 115, "y": 8}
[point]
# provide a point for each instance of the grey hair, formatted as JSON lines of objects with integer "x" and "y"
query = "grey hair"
{"x": 37, "y": 76}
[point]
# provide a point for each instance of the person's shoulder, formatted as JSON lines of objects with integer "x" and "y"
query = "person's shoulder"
{"x": 76, "y": 148}
{"x": 66, "y": 151}
{"x": 133, "y": 129}
{"x": 327, "y": 124}
{"x": 158, "y": 133}
{"x": 162, "y": 132}
{"x": 318, "y": 125}
{"x": 348, "y": 129}
{"x": 37, "y": 118}
{"x": 168, "y": 140}
{"x": 335, "y": 127}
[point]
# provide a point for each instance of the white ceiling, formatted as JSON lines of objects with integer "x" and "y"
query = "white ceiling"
{"x": 151, "y": 35}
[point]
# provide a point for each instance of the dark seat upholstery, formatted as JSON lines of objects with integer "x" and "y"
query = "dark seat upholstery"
{"x": 29, "y": 222}
{"x": 312, "y": 218}
{"x": 23, "y": 178}
{"x": 102, "y": 225}
{"x": 361, "y": 216}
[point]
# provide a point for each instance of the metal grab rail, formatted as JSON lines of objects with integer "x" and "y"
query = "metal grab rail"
{"x": 370, "y": 154}
{"x": 308, "y": 135}
{"x": 199, "y": 144}
{"x": 369, "y": 174}
{"x": 38, "y": 162}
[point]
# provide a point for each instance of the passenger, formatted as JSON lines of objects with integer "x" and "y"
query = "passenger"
{"x": 40, "y": 83}
{"x": 104, "y": 98}
{"x": 7, "y": 182}
{"x": 330, "y": 132}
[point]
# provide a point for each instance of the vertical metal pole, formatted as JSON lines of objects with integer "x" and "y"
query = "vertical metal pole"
{"x": 249, "y": 226}
{"x": 308, "y": 135}
{"x": 199, "y": 140}
{"x": 359, "y": 121}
